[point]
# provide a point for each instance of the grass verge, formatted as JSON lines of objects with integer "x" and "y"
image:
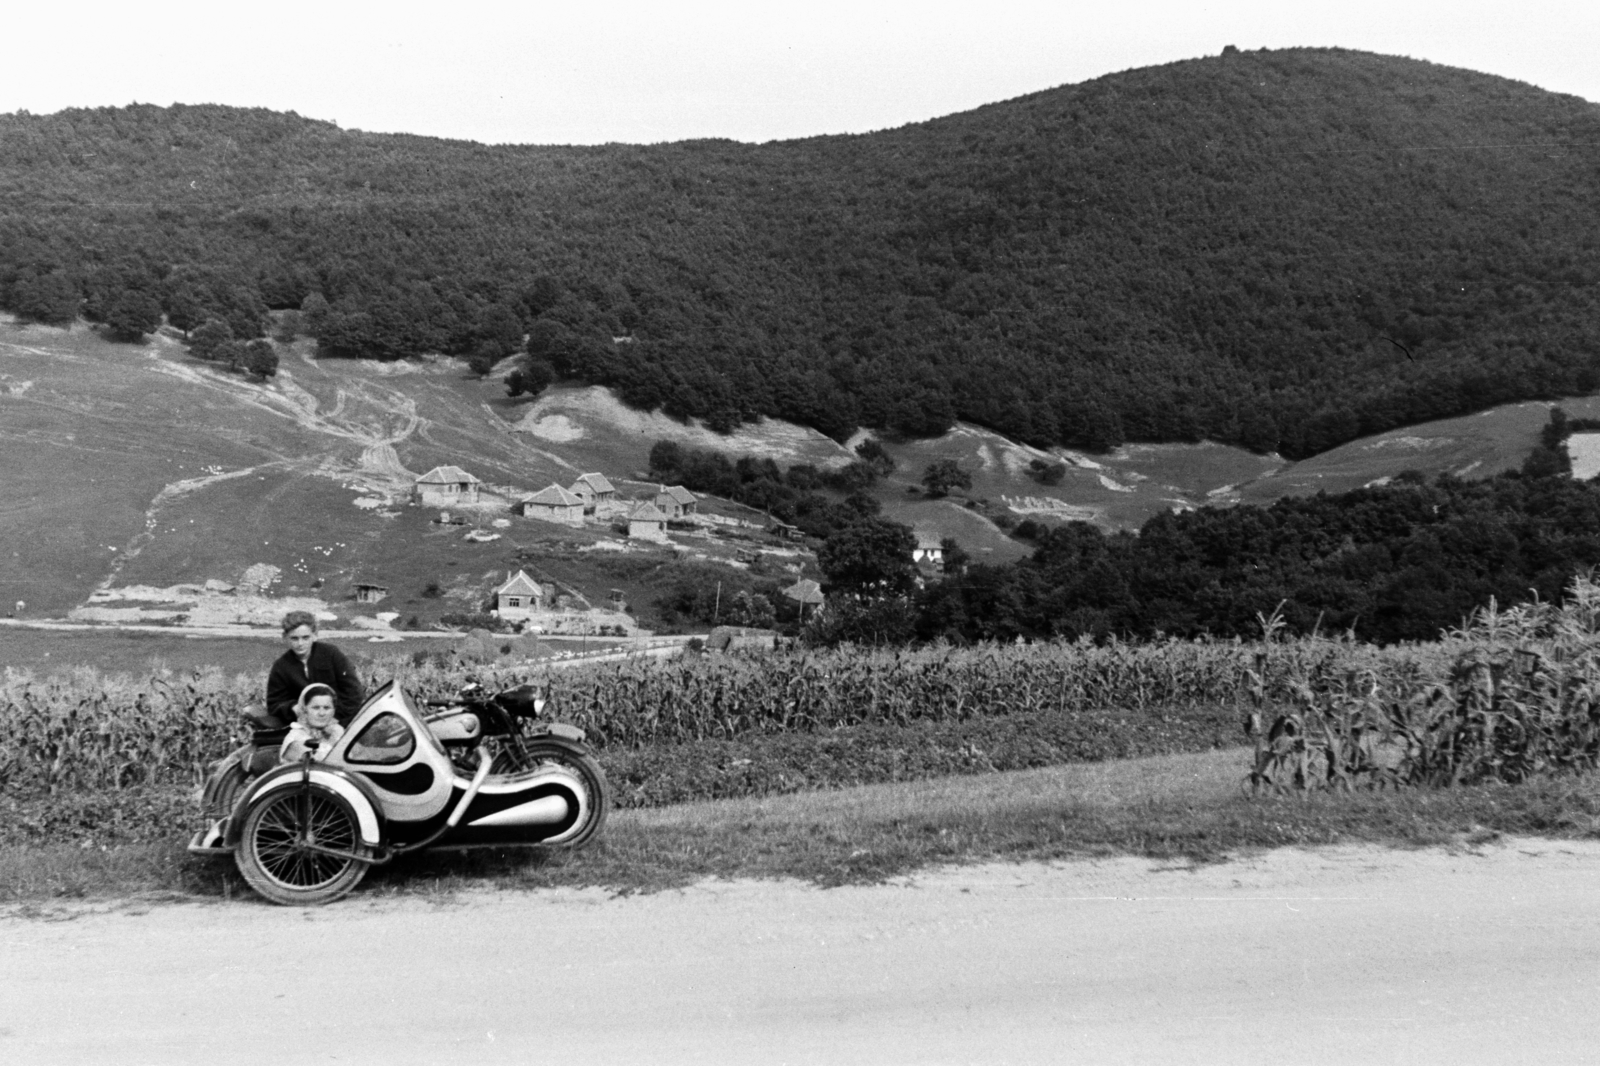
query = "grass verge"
{"x": 1187, "y": 808}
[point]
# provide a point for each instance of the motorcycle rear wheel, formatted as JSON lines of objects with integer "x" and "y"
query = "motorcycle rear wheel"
{"x": 579, "y": 762}
{"x": 276, "y": 865}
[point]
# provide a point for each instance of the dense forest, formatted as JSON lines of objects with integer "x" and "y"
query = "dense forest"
{"x": 1282, "y": 250}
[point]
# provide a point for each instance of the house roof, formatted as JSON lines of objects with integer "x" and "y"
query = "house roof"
{"x": 929, "y": 542}
{"x": 677, "y": 493}
{"x": 521, "y": 585}
{"x": 554, "y": 496}
{"x": 646, "y": 512}
{"x": 370, "y": 585}
{"x": 597, "y": 482}
{"x": 447, "y": 475}
{"x": 805, "y": 591}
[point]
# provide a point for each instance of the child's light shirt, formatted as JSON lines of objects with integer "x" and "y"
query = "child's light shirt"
{"x": 294, "y": 745}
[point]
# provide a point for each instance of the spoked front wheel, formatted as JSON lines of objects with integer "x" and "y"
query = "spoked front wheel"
{"x": 302, "y": 850}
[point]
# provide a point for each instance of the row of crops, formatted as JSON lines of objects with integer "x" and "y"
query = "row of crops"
{"x": 1513, "y": 693}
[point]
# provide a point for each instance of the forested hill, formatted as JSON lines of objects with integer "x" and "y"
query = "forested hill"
{"x": 1283, "y": 250}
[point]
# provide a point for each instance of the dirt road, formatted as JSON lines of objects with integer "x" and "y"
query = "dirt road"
{"x": 1354, "y": 955}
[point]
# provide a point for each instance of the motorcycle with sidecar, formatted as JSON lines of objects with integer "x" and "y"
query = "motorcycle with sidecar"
{"x": 479, "y": 770}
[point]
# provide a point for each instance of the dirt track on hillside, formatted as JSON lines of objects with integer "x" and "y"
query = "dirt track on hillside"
{"x": 1355, "y": 955}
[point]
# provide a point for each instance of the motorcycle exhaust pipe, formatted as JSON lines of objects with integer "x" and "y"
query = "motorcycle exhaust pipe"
{"x": 484, "y": 762}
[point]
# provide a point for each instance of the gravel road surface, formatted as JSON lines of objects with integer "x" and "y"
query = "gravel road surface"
{"x": 1345, "y": 955}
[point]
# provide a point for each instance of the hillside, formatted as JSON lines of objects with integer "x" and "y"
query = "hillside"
{"x": 133, "y": 469}
{"x": 1282, "y": 251}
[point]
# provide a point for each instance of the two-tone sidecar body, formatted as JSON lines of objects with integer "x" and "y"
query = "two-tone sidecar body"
{"x": 482, "y": 771}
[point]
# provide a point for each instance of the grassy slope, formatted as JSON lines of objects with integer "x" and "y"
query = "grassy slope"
{"x": 100, "y": 430}
{"x": 95, "y": 431}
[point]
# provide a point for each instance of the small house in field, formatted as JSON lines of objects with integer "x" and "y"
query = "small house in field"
{"x": 519, "y": 597}
{"x": 785, "y": 530}
{"x": 553, "y": 504}
{"x": 646, "y": 522}
{"x": 929, "y": 550}
{"x": 367, "y": 593}
{"x": 597, "y": 493}
{"x": 675, "y": 501}
{"x": 446, "y": 486}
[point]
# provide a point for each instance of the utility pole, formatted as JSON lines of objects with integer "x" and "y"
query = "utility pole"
{"x": 716, "y": 608}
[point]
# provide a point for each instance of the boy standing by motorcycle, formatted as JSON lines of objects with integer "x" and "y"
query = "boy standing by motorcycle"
{"x": 310, "y": 660}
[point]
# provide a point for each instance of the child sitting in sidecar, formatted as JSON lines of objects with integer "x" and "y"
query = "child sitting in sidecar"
{"x": 316, "y": 722}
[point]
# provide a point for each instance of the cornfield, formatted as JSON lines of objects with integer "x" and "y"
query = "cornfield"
{"x": 84, "y": 731}
{"x": 1511, "y": 694}
{"x": 1518, "y": 695}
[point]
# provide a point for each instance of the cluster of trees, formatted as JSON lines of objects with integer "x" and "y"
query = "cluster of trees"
{"x": 802, "y": 496}
{"x": 214, "y": 341}
{"x": 1391, "y": 563}
{"x": 1253, "y": 248}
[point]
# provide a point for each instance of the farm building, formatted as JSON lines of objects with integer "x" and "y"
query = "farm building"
{"x": 519, "y": 597}
{"x": 368, "y": 593}
{"x": 553, "y": 504}
{"x": 646, "y": 522}
{"x": 675, "y": 501}
{"x": 929, "y": 550}
{"x": 597, "y": 493}
{"x": 446, "y": 485}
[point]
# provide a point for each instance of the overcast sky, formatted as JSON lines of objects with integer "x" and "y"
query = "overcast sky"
{"x": 588, "y": 72}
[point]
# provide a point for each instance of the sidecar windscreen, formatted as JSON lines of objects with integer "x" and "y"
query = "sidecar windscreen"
{"x": 386, "y": 740}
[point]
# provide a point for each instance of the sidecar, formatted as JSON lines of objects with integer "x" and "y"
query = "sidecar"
{"x": 305, "y": 832}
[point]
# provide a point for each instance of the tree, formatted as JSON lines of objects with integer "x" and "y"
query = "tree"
{"x": 49, "y": 298}
{"x": 1046, "y": 472}
{"x": 482, "y": 360}
{"x": 873, "y": 454}
{"x": 260, "y": 359}
{"x": 231, "y": 354}
{"x": 132, "y": 315}
{"x": 530, "y": 379}
{"x": 208, "y": 339}
{"x": 751, "y": 609}
{"x": 942, "y": 475}
{"x": 876, "y": 621}
{"x": 314, "y": 312}
{"x": 498, "y": 331}
{"x": 871, "y": 556}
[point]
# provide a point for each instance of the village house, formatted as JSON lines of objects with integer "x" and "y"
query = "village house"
{"x": 445, "y": 486}
{"x": 368, "y": 593}
{"x": 520, "y": 597}
{"x": 675, "y": 501}
{"x": 929, "y": 550}
{"x": 553, "y": 504}
{"x": 597, "y": 493}
{"x": 646, "y": 522}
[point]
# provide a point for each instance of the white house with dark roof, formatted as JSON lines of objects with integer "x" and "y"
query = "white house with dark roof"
{"x": 597, "y": 493}
{"x": 675, "y": 501}
{"x": 646, "y": 522}
{"x": 553, "y": 504}
{"x": 445, "y": 486}
{"x": 519, "y": 597}
{"x": 929, "y": 550}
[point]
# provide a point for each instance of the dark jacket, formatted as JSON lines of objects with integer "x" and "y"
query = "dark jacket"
{"x": 326, "y": 664}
